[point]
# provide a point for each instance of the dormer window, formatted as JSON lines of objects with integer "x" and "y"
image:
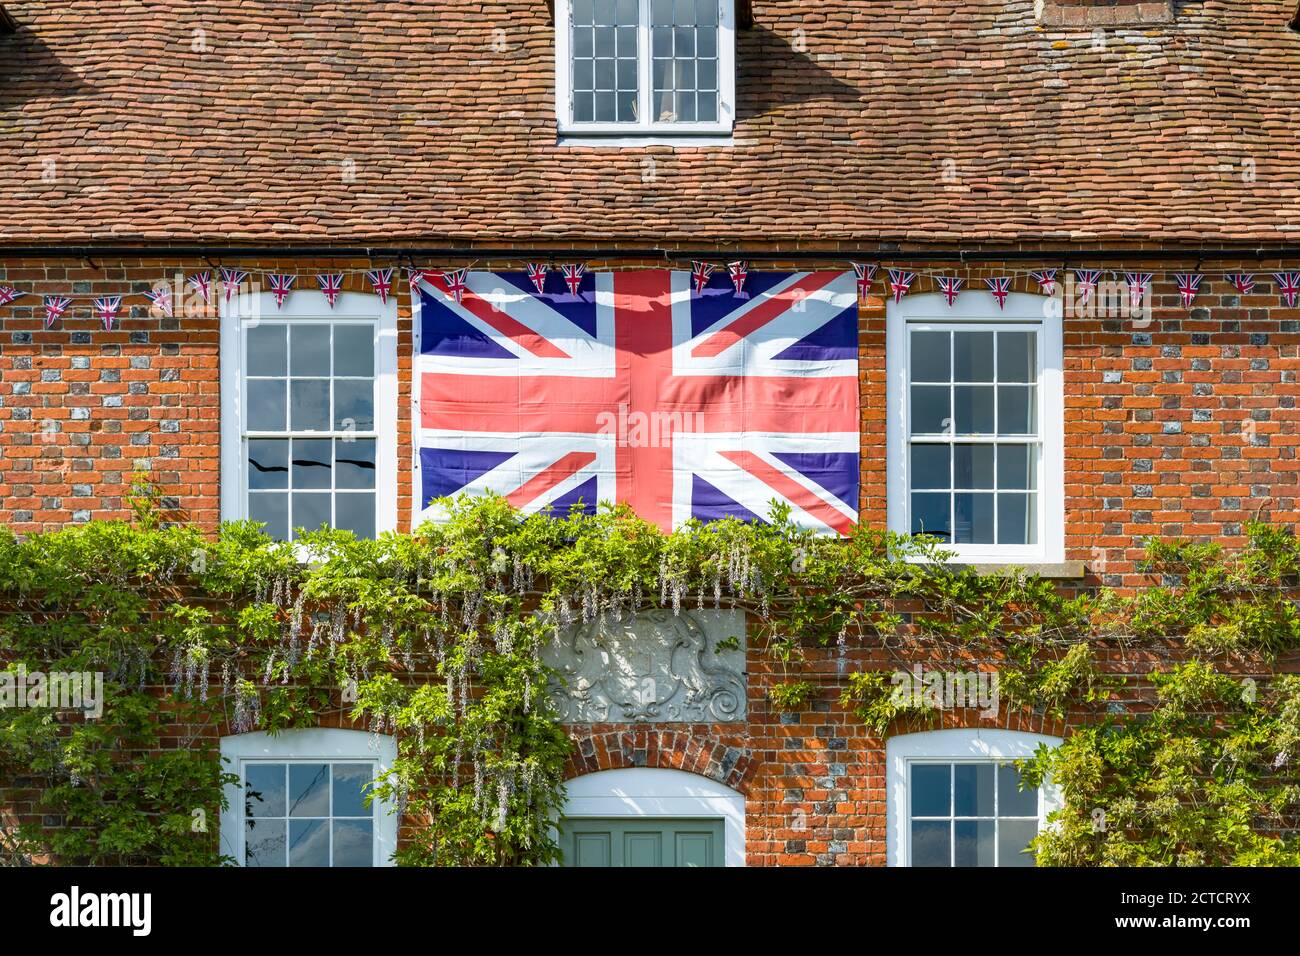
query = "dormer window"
{"x": 645, "y": 67}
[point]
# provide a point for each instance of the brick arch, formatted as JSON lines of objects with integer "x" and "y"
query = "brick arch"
{"x": 707, "y": 755}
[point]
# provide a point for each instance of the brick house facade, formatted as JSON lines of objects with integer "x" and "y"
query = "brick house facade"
{"x": 985, "y": 139}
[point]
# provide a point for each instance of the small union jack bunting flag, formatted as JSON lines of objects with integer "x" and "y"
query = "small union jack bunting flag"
{"x": 381, "y": 280}
{"x": 1288, "y": 283}
{"x": 1046, "y": 281}
{"x": 55, "y": 306}
{"x": 231, "y": 279}
{"x": 281, "y": 286}
{"x": 161, "y": 297}
{"x": 1138, "y": 283}
{"x": 950, "y": 286}
{"x": 1001, "y": 288}
{"x": 331, "y": 283}
{"x": 573, "y": 274}
{"x": 899, "y": 282}
{"x": 202, "y": 284}
{"x": 866, "y": 274}
{"x": 1189, "y": 283}
{"x": 739, "y": 272}
{"x": 537, "y": 274}
{"x": 1243, "y": 282}
{"x": 7, "y": 294}
{"x": 456, "y": 285}
{"x": 1087, "y": 279}
{"x": 106, "y": 308}
{"x": 418, "y": 276}
{"x": 700, "y": 273}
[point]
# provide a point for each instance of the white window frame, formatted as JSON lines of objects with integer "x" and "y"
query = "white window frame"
{"x": 952, "y": 746}
{"x": 980, "y": 309}
{"x": 660, "y": 792}
{"x": 646, "y": 130}
{"x": 243, "y": 312}
{"x": 305, "y": 746}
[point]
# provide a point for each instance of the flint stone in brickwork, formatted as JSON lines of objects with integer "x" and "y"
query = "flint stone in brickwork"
{"x": 655, "y": 668}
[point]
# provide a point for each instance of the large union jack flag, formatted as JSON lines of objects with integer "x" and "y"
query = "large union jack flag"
{"x": 641, "y": 389}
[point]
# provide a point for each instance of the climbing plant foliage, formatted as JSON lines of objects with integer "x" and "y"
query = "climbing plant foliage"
{"x": 436, "y": 637}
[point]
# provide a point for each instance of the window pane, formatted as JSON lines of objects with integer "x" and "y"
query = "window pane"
{"x": 1017, "y": 357}
{"x": 584, "y": 42}
{"x": 264, "y": 790}
{"x": 354, "y": 843}
{"x": 309, "y": 843}
{"x": 932, "y": 514}
{"x": 1017, "y": 519}
{"x": 266, "y": 405}
{"x": 606, "y": 107}
{"x": 686, "y": 107}
{"x": 272, "y": 509}
{"x": 268, "y": 463}
{"x": 311, "y": 510}
{"x": 309, "y": 404}
{"x": 605, "y": 41}
{"x": 350, "y": 783}
{"x": 309, "y": 350}
{"x": 706, "y": 41}
{"x": 684, "y": 11}
{"x": 354, "y": 350}
{"x": 606, "y": 71}
{"x": 974, "y": 466}
{"x": 661, "y": 12}
{"x": 974, "y": 409}
{"x": 1017, "y": 466}
{"x": 972, "y": 521}
{"x": 627, "y": 107}
{"x": 972, "y": 356}
{"x": 661, "y": 42}
{"x": 311, "y": 463}
{"x": 931, "y": 412}
{"x": 706, "y": 11}
{"x": 583, "y": 11}
{"x": 626, "y": 75}
{"x": 584, "y": 75}
{"x": 264, "y": 843}
{"x": 1016, "y": 411}
{"x": 707, "y": 74}
{"x": 309, "y": 794}
{"x": 930, "y": 466}
{"x": 1012, "y": 801}
{"x": 1013, "y": 838}
{"x": 354, "y": 463}
{"x": 628, "y": 12}
{"x": 267, "y": 350}
{"x": 708, "y": 108}
{"x": 973, "y": 789}
{"x": 355, "y": 513}
{"x": 930, "y": 357}
{"x": 930, "y": 843}
{"x": 973, "y": 843}
{"x": 584, "y": 107}
{"x": 931, "y": 783}
{"x": 354, "y": 405}
{"x": 683, "y": 43}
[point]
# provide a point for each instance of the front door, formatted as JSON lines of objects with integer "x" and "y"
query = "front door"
{"x": 641, "y": 841}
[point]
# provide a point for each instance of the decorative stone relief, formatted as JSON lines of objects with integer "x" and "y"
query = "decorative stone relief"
{"x": 655, "y": 668}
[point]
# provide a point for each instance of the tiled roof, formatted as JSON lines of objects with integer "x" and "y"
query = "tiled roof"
{"x": 912, "y": 120}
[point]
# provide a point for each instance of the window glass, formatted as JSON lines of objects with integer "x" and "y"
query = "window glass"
{"x": 308, "y": 813}
{"x": 970, "y": 813}
{"x": 974, "y": 435}
{"x": 310, "y": 441}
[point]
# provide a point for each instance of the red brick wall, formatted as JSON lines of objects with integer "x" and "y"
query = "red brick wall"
{"x": 1186, "y": 426}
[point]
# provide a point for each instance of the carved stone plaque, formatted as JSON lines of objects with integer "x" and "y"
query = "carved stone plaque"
{"x": 656, "y": 668}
